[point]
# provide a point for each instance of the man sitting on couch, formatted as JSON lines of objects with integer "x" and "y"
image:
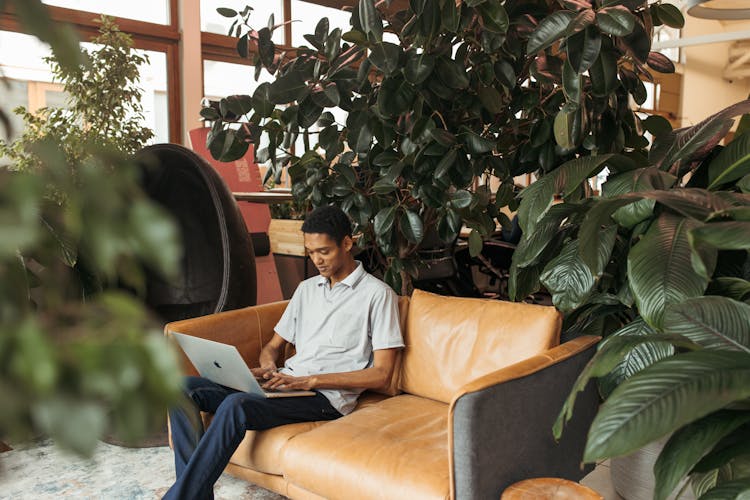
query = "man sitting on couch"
{"x": 344, "y": 326}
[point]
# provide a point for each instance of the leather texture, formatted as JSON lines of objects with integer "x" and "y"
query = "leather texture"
{"x": 451, "y": 341}
{"x": 397, "y": 448}
{"x": 501, "y": 425}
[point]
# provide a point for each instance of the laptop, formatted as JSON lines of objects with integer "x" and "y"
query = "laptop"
{"x": 223, "y": 364}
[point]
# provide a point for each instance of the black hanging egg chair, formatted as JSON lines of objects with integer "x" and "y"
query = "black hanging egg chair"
{"x": 217, "y": 271}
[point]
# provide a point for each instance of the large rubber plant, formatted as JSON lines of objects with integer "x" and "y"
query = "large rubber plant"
{"x": 440, "y": 95}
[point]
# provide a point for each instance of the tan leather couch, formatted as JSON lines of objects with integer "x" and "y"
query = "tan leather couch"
{"x": 469, "y": 410}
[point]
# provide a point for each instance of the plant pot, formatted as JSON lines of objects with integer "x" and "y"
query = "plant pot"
{"x": 286, "y": 237}
{"x": 633, "y": 474}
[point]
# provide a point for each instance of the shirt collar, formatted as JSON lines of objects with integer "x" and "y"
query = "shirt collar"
{"x": 351, "y": 280}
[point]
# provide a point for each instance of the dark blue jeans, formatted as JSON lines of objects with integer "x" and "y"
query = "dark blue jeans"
{"x": 201, "y": 456}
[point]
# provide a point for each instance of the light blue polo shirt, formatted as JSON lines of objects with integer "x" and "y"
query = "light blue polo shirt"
{"x": 336, "y": 329}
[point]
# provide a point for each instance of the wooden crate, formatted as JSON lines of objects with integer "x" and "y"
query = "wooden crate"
{"x": 286, "y": 237}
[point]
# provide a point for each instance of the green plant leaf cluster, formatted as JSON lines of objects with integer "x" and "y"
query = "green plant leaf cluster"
{"x": 660, "y": 265}
{"x": 79, "y": 359}
{"x": 437, "y": 95}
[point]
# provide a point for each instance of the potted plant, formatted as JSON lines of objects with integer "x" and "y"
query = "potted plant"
{"x": 440, "y": 97}
{"x": 659, "y": 263}
{"x": 74, "y": 365}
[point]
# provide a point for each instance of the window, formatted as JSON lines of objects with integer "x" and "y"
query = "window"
{"x": 222, "y": 79}
{"x": 152, "y": 11}
{"x": 32, "y": 85}
{"x": 213, "y": 22}
{"x": 305, "y": 17}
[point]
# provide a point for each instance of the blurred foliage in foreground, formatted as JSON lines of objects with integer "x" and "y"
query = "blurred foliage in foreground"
{"x": 78, "y": 357}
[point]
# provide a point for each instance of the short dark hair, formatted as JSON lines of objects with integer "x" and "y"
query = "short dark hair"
{"x": 330, "y": 220}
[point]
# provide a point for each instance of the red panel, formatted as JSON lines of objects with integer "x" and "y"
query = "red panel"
{"x": 243, "y": 176}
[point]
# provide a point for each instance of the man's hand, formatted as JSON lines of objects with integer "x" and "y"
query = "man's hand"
{"x": 263, "y": 372}
{"x": 284, "y": 382}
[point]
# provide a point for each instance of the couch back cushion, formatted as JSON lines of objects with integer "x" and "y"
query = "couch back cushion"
{"x": 451, "y": 341}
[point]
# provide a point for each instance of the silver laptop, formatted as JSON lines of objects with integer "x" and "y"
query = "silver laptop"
{"x": 223, "y": 364}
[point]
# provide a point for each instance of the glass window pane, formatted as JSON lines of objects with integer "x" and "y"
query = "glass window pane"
{"x": 305, "y": 17}
{"x": 213, "y": 22}
{"x": 152, "y": 11}
{"x": 32, "y": 82}
{"x": 222, "y": 79}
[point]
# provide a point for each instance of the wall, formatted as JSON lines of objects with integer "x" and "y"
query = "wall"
{"x": 704, "y": 91}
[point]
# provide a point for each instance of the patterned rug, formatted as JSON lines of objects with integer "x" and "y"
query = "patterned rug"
{"x": 40, "y": 470}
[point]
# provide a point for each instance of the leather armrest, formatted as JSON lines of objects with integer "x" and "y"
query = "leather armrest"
{"x": 500, "y": 425}
{"x": 248, "y": 329}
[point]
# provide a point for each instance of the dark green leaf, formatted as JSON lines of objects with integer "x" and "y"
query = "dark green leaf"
{"x": 551, "y": 29}
{"x": 713, "y": 322}
{"x": 657, "y": 125}
{"x": 603, "y": 74}
{"x": 461, "y": 199}
{"x": 475, "y": 243}
{"x": 287, "y": 88}
{"x": 617, "y": 20}
{"x": 567, "y": 278}
{"x": 567, "y": 126}
{"x": 686, "y": 447}
{"x": 638, "y": 42}
{"x": 731, "y": 490}
{"x": 494, "y": 17}
{"x": 443, "y": 137}
{"x": 476, "y": 144}
{"x": 657, "y": 267}
{"x": 732, "y": 163}
{"x": 452, "y": 73}
{"x": 664, "y": 397}
{"x": 226, "y": 12}
{"x": 411, "y": 226}
{"x": 670, "y": 15}
{"x": 660, "y": 62}
{"x": 583, "y": 49}
{"x": 505, "y": 74}
{"x": 418, "y": 67}
{"x": 370, "y": 19}
{"x": 571, "y": 84}
{"x": 383, "y": 221}
{"x": 445, "y": 163}
{"x": 491, "y": 99}
{"x": 385, "y": 56}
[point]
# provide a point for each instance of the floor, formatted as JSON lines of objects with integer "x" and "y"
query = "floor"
{"x": 40, "y": 471}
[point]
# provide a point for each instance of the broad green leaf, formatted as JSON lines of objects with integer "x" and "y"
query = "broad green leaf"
{"x": 583, "y": 49}
{"x": 491, "y": 99}
{"x": 475, "y": 143}
{"x": 523, "y": 282}
{"x": 638, "y": 42}
{"x": 445, "y": 163}
{"x": 287, "y": 88}
{"x": 383, "y": 221}
{"x": 730, "y": 235}
{"x": 734, "y": 288}
{"x": 659, "y": 62}
{"x": 567, "y": 278}
{"x": 385, "y": 56}
{"x": 475, "y": 243}
{"x": 226, "y": 12}
{"x": 571, "y": 83}
{"x": 664, "y": 397}
{"x": 658, "y": 268}
{"x": 262, "y": 103}
{"x": 443, "y": 137}
{"x": 505, "y": 74}
{"x": 732, "y": 163}
{"x": 713, "y": 322}
{"x": 395, "y": 97}
{"x": 657, "y": 125}
{"x": 739, "y": 489}
{"x": 461, "y": 199}
{"x": 584, "y": 18}
{"x": 494, "y": 17}
{"x": 686, "y": 447}
{"x": 538, "y": 196}
{"x": 638, "y": 358}
{"x": 567, "y": 125}
{"x": 610, "y": 353}
{"x": 744, "y": 184}
{"x": 370, "y": 19}
{"x": 411, "y": 226}
{"x": 694, "y": 142}
{"x": 551, "y": 29}
{"x": 671, "y": 15}
{"x": 603, "y": 74}
{"x": 616, "y": 20}
{"x": 452, "y": 73}
{"x": 644, "y": 179}
{"x": 533, "y": 243}
{"x": 418, "y": 67}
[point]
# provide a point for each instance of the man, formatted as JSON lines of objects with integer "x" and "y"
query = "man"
{"x": 344, "y": 326}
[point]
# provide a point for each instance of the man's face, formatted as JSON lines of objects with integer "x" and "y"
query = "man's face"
{"x": 327, "y": 256}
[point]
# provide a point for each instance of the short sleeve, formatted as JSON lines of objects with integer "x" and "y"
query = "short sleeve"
{"x": 384, "y": 321}
{"x": 287, "y": 325}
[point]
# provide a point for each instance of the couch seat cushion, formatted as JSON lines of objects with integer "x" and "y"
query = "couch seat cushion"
{"x": 262, "y": 450}
{"x": 397, "y": 448}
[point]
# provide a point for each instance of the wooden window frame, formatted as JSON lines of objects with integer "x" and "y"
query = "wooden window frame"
{"x": 146, "y": 36}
